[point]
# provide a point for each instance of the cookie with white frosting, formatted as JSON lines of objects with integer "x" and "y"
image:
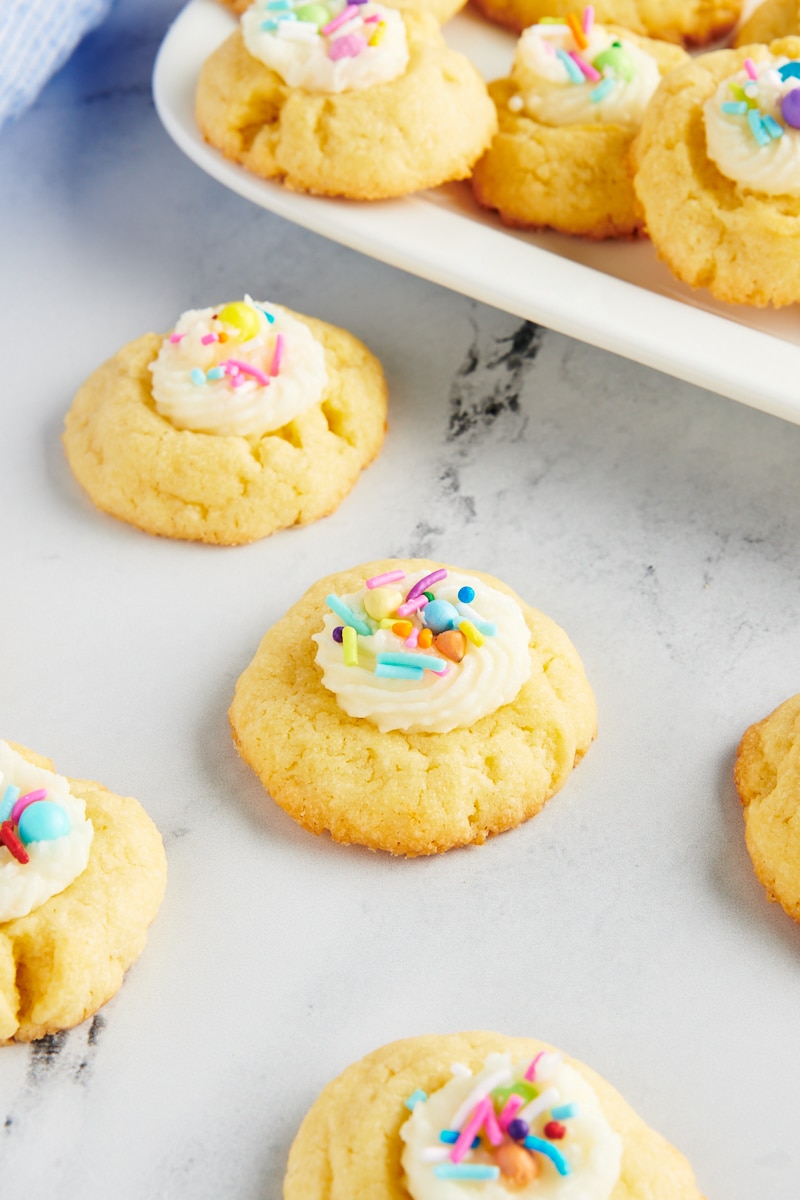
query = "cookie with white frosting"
{"x": 411, "y": 707}
{"x": 717, "y": 165}
{"x": 771, "y": 20}
{"x": 355, "y": 100}
{"x": 768, "y": 782}
{"x": 245, "y": 419}
{"x": 82, "y": 875}
{"x": 687, "y": 22}
{"x": 567, "y": 117}
{"x": 442, "y": 10}
{"x": 479, "y": 1116}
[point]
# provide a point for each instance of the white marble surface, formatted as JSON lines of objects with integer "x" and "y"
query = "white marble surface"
{"x": 658, "y": 523}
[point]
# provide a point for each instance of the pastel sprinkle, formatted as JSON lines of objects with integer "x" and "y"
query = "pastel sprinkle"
{"x": 208, "y": 338}
{"x": 278, "y": 355}
{"x": 433, "y": 1154}
{"x": 464, "y": 1141}
{"x": 399, "y": 658}
{"x": 373, "y": 20}
{"x": 772, "y": 127}
{"x": 750, "y": 67}
{"x": 530, "y": 1074}
{"x": 470, "y": 632}
{"x": 337, "y": 605}
{"x": 176, "y": 337}
{"x": 237, "y": 380}
{"x": 737, "y": 91}
{"x": 344, "y": 15}
{"x": 269, "y": 316}
{"x": 378, "y": 35}
{"x": 574, "y": 73}
{"x": 216, "y": 373}
{"x": 591, "y": 73}
{"x": 790, "y": 70}
{"x": 576, "y": 30}
{"x": 510, "y": 1110}
{"x": 426, "y": 581}
{"x": 269, "y": 26}
{"x": 601, "y": 91}
{"x": 550, "y": 1151}
{"x": 410, "y": 606}
{"x": 279, "y": 6}
{"x": 450, "y": 1137}
{"x": 412, "y": 640}
{"x": 10, "y": 796}
{"x": 487, "y": 628}
{"x": 495, "y": 1080}
{"x": 23, "y": 802}
{"x": 350, "y": 646}
{"x": 197, "y": 376}
{"x": 387, "y": 577}
{"x": 757, "y": 127}
{"x": 493, "y": 1130}
{"x": 248, "y": 369}
{"x": 562, "y": 1112}
{"x": 588, "y": 19}
{"x": 387, "y": 671}
{"x": 540, "y": 1105}
{"x": 466, "y": 1171}
{"x": 734, "y": 108}
{"x": 415, "y": 1098}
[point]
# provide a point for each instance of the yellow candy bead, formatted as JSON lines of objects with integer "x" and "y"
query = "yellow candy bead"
{"x": 242, "y": 317}
{"x": 382, "y": 601}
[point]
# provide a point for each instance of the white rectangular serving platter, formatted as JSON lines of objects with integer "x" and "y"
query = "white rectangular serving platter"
{"x": 615, "y": 295}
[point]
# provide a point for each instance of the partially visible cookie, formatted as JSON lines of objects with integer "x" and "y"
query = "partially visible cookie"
{"x": 767, "y": 777}
{"x": 340, "y": 122}
{"x": 399, "y": 1125}
{"x": 410, "y": 724}
{"x": 66, "y": 953}
{"x": 773, "y": 19}
{"x": 246, "y": 419}
{"x": 442, "y": 10}
{"x": 717, "y": 171}
{"x": 690, "y": 22}
{"x": 567, "y": 117}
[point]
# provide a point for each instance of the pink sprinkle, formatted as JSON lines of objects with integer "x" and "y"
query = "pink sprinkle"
{"x": 410, "y": 606}
{"x": 470, "y": 1129}
{"x": 426, "y": 582}
{"x": 371, "y": 20}
{"x": 589, "y": 71}
{"x": 236, "y": 380}
{"x": 277, "y": 356}
{"x": 588, "y": 19}
{"x": 388, "y": 577}
{"x": 24, "y": 801}
{"x": 530, "y": 1074}
{"x": 750, "y": 67}
{"x": 176, "y": 337}
{"x": 343, "y": 16}
{"x": 348, "y": 46}
{"x": 412, "y": 639}
{"x": 209, "y": 338}
{"x": 493, "y": 1130}
{"x": 512, "y": 1107}
{"x": 247, "y": 369}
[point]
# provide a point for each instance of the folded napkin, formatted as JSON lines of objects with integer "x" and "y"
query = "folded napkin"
{"x": 36, "y": 38}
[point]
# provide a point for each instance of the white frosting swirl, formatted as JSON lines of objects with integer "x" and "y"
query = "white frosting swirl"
{"x": 306, "y": 58}
{"x": 487, "y": 677}
{"x": 772, "y": 168}
{"x": 550, "y": 96}
{"x": 252, "y": 408}
{"x": 53, "y": 864}
{"x": 591, "y": 1148}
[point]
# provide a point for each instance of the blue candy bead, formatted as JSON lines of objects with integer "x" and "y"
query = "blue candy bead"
{"x": 440, "y": 615}
{"x": 466, "y": 595}
{"x": 43, "y": 821}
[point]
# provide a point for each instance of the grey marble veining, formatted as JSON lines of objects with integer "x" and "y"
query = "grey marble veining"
{"x": 658, "y": 523}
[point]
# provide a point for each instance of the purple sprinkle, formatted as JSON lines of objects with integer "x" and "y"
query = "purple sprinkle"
{"x": 338, "y": 633}
{"x": 419, "y": 588}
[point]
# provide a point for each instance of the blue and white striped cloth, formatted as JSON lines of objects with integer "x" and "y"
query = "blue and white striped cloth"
{"x": 36, "y": 38}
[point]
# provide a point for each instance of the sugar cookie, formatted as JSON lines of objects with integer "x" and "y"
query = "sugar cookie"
{"x": 768, "y": 781}
{"x": 82, "y": 875}
{"x": 402, "y": 1124}
{"x": 442, "y": 10}
{"x": 717, "y": 166}
{"x": 427, "y": 711}
{"x": 771, "y": 20}
{"x": 691, "y": 22}
{"x": 568, "y": 115}
{"x": 245, "y": 419}
{"x": 334, "y": 114}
